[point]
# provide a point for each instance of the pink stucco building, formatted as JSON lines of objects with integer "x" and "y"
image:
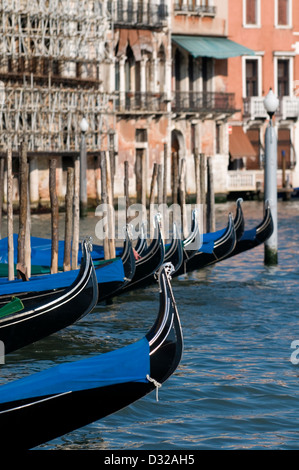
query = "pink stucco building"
{"x": 271, "y": 29}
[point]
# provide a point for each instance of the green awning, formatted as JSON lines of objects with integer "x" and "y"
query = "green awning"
{"x": 207, "y": 46}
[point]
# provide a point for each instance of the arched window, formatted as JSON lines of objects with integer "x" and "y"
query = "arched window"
{"x": 161, "y": 69}
{"x": 129, "y": 70}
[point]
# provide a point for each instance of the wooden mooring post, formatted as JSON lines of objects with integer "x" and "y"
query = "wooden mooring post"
{"x": 10, "y": 243}
{"x": 126, "y": 190}
{"x": 109, "y": 229}
{"x": 22, "y": 269}
{"x": 68, "y": 219}
{"x": 197, "y": 177}
{"x": 111, "y": 221}
{"x": 76, "y": 214}
{"x": 1, "y": 192}
{"x": 175, "y": 177}
{"x": 153, "y": 185}
{"x": 202, "y": 182}
{"x": 210, "y": 197}
{"x": 182, "y": 193}
{"x": 165, "y": 171}
{"x": 160, "y": 184}
{"x": 54, "y": 216}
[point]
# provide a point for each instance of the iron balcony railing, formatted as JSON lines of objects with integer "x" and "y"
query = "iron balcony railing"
{"x": 193, "y": 8}
{"x": 182, "y": 102}
{"x": 141, "y": 102}
{"x": 203, "y": 102}
{"x": 127, "y": 12}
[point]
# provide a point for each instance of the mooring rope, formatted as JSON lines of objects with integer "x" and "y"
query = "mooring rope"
{"x": 156, "y": 384}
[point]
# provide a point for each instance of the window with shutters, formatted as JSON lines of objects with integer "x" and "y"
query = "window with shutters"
{"x": 251, "y": 13}
{"x": 283, "y": 13}
{"x": 283, "y": 77}
{"x": 251, "y": 71}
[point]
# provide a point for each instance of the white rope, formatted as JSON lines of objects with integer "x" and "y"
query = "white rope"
{"x": 157, "y": 385}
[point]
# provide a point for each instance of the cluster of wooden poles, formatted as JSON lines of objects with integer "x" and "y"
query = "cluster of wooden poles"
{"x": 204, "y": 187}
{"x": 74, "y": 209}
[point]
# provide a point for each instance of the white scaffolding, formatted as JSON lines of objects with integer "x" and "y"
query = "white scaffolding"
{"x": 53, "y": 57}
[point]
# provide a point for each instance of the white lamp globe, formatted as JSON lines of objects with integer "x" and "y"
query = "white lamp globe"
{"x": 271, "y": 102}
{"x": 83, "y": 125}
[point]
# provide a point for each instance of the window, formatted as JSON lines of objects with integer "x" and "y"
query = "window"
{"x": 251, "y": 13}
{"x": 141, "y": 135}
{"x": 284, "y": 148}
{"x": 283, "y": 77}
{"x": 161, "y": 69}
{"x": 252, "y": 75}
{"x": 254, "y": 163}
{"x": 251, "y": 78}
{"x": 283, "y": 15}
{"x": 218, "y": 137}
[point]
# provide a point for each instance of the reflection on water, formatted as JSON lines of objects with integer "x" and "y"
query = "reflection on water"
{"x": 236, "y": 387}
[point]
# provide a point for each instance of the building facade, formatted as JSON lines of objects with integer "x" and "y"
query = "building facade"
{"x": 172, "y": 79}
{"x": 142, "y": 75}
{"x": 158, "y": 81}
{"x": 54, "y": 62}
{"x": 271, "y": 28}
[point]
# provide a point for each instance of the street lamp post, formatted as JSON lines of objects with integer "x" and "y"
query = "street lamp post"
{"x": 270, "y": 178}
{"x": 83, "y": 168}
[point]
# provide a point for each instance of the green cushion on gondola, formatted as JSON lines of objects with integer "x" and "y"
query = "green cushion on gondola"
{"x": 15, "y": 305}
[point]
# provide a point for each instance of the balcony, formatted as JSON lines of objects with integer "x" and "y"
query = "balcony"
{"x": 203, "y": 102}
{"x": 138, "y": 14}
{"x": 140, "y": 103}
{"x": 241, "y": 181}
{"x": 193, "y": 9}
{"x": 288, "y": 107}
{"x": 254, "y": 108}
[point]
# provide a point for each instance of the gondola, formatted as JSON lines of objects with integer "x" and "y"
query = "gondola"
{"x": 256, "y": 236}
{"x": 239, "y": 221}
{"x": 111, "y": 275}
{"x": 107, "y": 290}
{"x": 41, "y": 254}
{"x": 213, "y": 250}
{"x": 51, "y": 403}
{"x": 174, "y": 252}
{"x": 24, "y": 322}
{"x": 191, "y": 244}
{"x": 141, "y": 244}
{"x": 150, "y": 261}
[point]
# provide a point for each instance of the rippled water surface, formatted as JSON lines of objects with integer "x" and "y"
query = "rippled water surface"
{"x": 236, "y": 386}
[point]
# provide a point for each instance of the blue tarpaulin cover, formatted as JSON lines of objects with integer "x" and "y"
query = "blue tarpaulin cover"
{"x": 111, "y": 272}
{"x": 128, "y": 364}
{"x": 249, "y": 234}
{"x": 209, "y": 239}
{"x": 41, "y": 251}
{"x": 212, "y": 236}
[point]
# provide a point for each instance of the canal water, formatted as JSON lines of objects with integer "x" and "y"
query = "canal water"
{"x": 237, "y": 386}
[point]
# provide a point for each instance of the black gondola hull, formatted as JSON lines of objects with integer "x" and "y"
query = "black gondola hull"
{"x": 253, "y": 238}
{"x": 46, "y": 314}
{"x": 32, "y": 417}
{"x": 149, "y": 263}
{"x": 53, "y": 417}
{"x": 222, "y": 248}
